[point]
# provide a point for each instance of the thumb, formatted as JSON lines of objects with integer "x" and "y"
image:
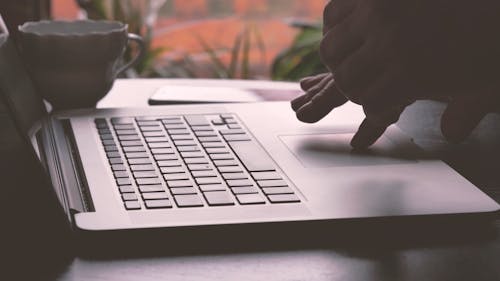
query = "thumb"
{"x": 461, "y": 116}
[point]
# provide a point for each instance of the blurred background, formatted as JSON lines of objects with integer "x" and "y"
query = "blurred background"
{"x": 227, "y": 39}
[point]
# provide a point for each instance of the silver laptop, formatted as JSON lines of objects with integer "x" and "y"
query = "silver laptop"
{"x": 188, "y": 166}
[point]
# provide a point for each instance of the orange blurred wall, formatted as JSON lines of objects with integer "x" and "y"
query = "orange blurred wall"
{"x": 64, "y": 9}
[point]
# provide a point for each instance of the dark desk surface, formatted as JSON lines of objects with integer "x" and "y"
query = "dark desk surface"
{"x": 466, "y": 258}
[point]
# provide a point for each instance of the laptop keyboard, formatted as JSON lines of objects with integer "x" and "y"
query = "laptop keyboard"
{"x": 190, "y": 161}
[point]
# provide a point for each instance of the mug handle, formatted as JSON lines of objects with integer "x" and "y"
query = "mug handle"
{"x": 140, "y": 55}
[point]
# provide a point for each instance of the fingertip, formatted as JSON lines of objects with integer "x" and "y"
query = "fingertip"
{"x": 308, "y": 114}
{"x": 305, "y": 83}
{"x": 366, "y": 135}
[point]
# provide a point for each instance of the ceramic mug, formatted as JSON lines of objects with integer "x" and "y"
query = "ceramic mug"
{"x": 74, "y": 63}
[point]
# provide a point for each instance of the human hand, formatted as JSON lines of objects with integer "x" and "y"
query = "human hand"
{"x": 322, "y": 96}
{"x": 385, "y": 54}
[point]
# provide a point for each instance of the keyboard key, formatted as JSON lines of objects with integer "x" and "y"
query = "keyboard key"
{"x": 160, "y": 157}
{"x": 225, "y": 156}
{"x": 134, "y": 149}
{"x": 245, "y": 190}
{"x": 224, "y": 163}
{"x": 126, "y": 189}
{"x": 201, "y": 128}
{"x": 204, "y": 174}
{"x": 250, "y": 199}
{"x": 284, "y": 198}
{"x": 232, "y": 132}
{"x": 109, "y": 148}
{"x": 183, "y": 190}
{"x": 217, "y": 144}
{"x": 185, "y": 142}
{"x": 218, "y": 122}
{"x": 108, "y": 142}
{"x": 118, "y": 167}
{"x": 156, "y": 139}
{"x": 277, "y": 190}
{"x": 145, "y": 167}
{"x": 124, "y": 127}
{"x": 106, "y": 137}
{"x": 266, "y": 176}
{"x": 227, "y": 116}
{"x": 148, "y": 174}
{"x": 253, "y": 156}
{"x": 199, "y": 167}
{"x": 100, "y": 121}
{"x": 160, "y": 145}
{"x": 115, "y": 161}
{"x": 129, "y": 138}
{"x": 158, "y": 204}
{"x": 213, "y": 187}
{"x": 121, "y": 174}
{"x": 155, "y": 128}
{"x": 122, "y": 120}
{"x": 180, "y": 183}
{"x": 169, "y": 163}
{"x": 132, "y": 205}
{"x": 162, "y": 151}
{"x": 139, "y": 161}
{"x": 178, "y": 176}
{"x": 236, "y": 138}
{"x": 113, "y": 154}
{"x": 233, "y": 183}
{"x": 196, "y": 120}
{"x": 129, "y": 197}
{"x": 136, "y": 155}
{"x": 192, "y": 200}
{"x": 196, "y": 160}
{"x": 230, "y": 169}
{"x": 219, "y": 198}
{"x": 192, "y": 155}
{"x": 179, "y": 132}
{"x": 151, "y": 188}
{"x": 272, "y": 183}
{"x": 175, "y": 126}
{"x": 153, "y": 134}
{"x": 181, "y": 137}
{"x": 233, "y": 126}
{"x": 190, "y": 148}
{"x": 234, "y": 176}
{"x": 217, "y": 150}
{"x": 172, "y": 121}
{"x": 104, "y": 131}
{"x": 148, "y": 181}
{"x": 155, "y": 196}
{"x": 209, "y": 139}
{"x": 172, "y": 170}
{"x": 147, "y": 123}
{"x": 205, "y": 134}
{"x": 231, "y": 121}
{"x": 123, "y": 181}
{"x": 131, "y": 143}
{"x": 213, "y": 180}
{"x": 125, "y": 132}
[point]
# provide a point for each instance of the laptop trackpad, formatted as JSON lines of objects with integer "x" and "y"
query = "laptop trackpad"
{"x": 333, "y": 150}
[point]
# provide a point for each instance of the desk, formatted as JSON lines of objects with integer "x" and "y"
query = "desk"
{"x": 469, "y": 258}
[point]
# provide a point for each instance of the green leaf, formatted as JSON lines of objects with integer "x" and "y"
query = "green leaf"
{"x": 217, "y": 65}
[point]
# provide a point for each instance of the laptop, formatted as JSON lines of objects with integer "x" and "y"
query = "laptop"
{"x": 179, "y": 167}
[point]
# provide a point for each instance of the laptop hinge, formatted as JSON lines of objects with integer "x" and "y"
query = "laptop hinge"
{"x": 65, "y": 168}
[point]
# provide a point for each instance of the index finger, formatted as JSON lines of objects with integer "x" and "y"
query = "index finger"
{"x": 376, "y": 122}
